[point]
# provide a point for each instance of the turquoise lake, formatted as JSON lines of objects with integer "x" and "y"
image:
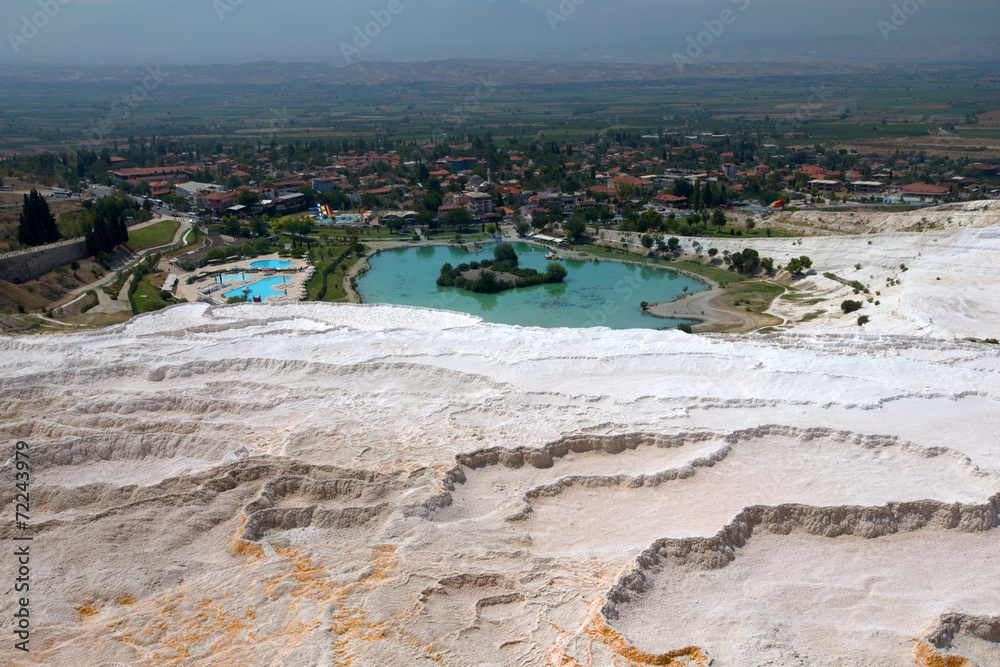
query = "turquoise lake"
{"x": 595, "y": 294}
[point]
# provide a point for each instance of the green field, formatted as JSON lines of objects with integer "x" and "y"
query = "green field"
{"x": 147, "y": 297}
{"x": 854, "y": 106}
{"x": 154, "y": 235}
{"x": 755, "y": 296}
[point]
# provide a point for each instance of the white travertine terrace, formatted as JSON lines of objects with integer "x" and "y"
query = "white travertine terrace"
{"x": 420, "y": 487}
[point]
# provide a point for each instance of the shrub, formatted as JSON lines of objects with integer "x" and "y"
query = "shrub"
{"x": 851, "y": 306}
{"x": 215, "y": 254}
{"x": 686, "y": 328}
{"x": 863, "y": 320}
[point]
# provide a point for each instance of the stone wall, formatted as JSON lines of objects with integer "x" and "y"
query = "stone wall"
{"x": 27, "y": 264}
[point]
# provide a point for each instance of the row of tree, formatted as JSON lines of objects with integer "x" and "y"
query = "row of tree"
{"x": 107, "y": 227}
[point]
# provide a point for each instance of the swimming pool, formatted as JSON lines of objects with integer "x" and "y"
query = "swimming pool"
{"x": 234, "y": 277}
{"x": 271, "y": 264}
{"x": 261, "y": 288}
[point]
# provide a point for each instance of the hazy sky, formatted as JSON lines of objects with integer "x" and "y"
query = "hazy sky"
{"x": 189, "y": 31}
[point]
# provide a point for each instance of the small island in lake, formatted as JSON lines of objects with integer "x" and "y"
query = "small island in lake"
{"x": 498, "y": 275}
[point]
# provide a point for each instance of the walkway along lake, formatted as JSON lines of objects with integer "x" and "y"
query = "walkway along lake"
{"x": 595, "y": 294}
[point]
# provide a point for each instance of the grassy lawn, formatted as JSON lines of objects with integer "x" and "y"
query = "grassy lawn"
{"x": 715, "y": 273}
{"x": 147, "y": 297}
{"x": 754, "y": 296}
{"x": 334, "y": 281}
{"x": 154, "y": 235}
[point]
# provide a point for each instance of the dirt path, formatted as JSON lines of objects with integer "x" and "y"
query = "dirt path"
{"x": 106, "y": 305}
{"x": 715, "y": 311}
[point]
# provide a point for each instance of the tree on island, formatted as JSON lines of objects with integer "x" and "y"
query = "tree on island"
{"x": 504, "y": 252}
{"x": 37, "y": 226}
{"x": 487, "y": 280}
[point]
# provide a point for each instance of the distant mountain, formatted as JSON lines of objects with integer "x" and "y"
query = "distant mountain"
{"x": 458, "y": 72}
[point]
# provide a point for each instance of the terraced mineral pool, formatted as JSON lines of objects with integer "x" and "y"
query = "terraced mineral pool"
{"x": 594, "y": 294}
{"x": 271, "y": 264}
{"x": 261, "y": 288}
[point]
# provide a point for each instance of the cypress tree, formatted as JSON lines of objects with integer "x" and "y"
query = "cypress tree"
{"x": 36, "y": 224}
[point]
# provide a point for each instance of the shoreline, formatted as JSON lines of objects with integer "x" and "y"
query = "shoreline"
{"x": 706, "y": 308}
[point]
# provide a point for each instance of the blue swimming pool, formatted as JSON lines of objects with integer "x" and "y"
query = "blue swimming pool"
{"x": 234, "y": 277}
{"x": 261, "y": 288}
{"x": 271, "y": 264}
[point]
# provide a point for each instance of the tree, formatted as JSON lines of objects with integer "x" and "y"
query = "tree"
{"x": 719, "y": 218}
{"x": 674, "y": 244}
{"x": 231, "y": 225}
{"x": 394, "y": 224}
{"x": 298, "y": 228}
{"x": 522, "y": 228}
{"x": 258, "y": 227}
{"x": 504, "y": 252}
{"x": 539, "y": 219}
{"x": 575, "y": 228}
{"x": 36, "y": 224}
{"x": 647, "y": 241}
{"x": 486, "y": 283}
{"x": 751, "y": 224}
{"x": 459, "y": 218}
{"x": 625, "y": 191}
{"x": 247, "y": 198}
{"x": 850, "y": 306}
{"x": 424, "y": 216}
{"x": 649, "y": 220}
{"x": 712, "y": 252}
{"x": 491, "y": 229}
{"x": 798, "y": 265}
{"x": 746, "y": 262}
{"x": 555, "y": 272}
